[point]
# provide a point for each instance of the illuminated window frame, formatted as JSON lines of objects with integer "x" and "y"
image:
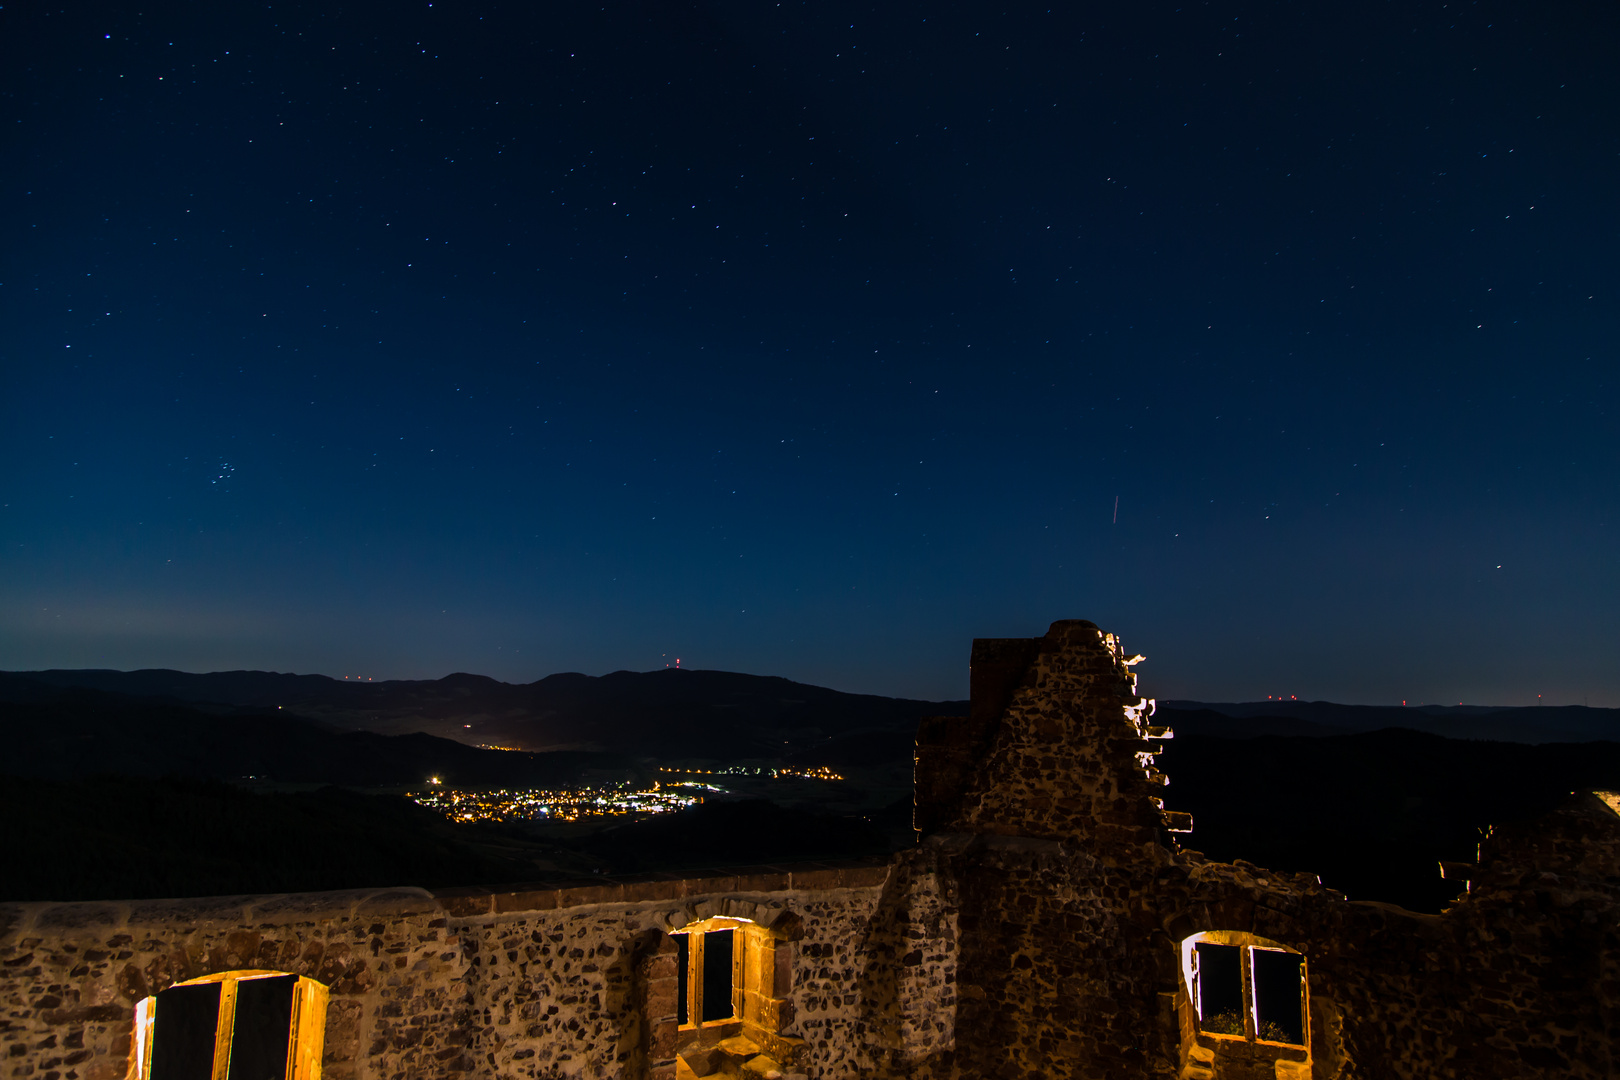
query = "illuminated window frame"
{"x": 695, "y": 937}
{"x": 1247, "y": 945}
{"x": 306, "y": 1029}
{"x": 760, "y": 985}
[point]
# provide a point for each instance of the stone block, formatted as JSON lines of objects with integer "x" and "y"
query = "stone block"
{"x": 60, "y": 917}
{"x": 540, "y": 899}
{"x": 579, "y": 896}
{"x": 88, "y": 1014}
{"x": 671, "y": 888}
{"x": 816, "y": 877}
{"x": 662, "y": 998}
{"x": 1233, "y": 913}
{"x": 218, "y": 909}
{"x": 396, "y": 903}
{"x": 664, "y": 1037}
{"x": 762, "y": 1065}
{"x": 866, "y": 877}
{"x": 469, "y": 906}
{"x": 734, "y": 908}
{"x": 765, "y": 879}
{"x": 709, "y": 882}
{"x": 998, "y": 666}
{"x": 661, "y": 967}
{"x": 776, "y": 1013}
{"x": 704, "y": 1061}
{"x": 782, "y": 970}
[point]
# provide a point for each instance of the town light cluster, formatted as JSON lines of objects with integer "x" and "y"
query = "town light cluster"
{"x": 548, "y": 804}
{"x": 780, "y": 772}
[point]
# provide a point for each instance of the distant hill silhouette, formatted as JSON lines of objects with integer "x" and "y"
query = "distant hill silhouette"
{"x": 657, "y": 713}
{"x": 644, "y": 713}
{"x": 1207, "y": 723}
{"x": 52, "y": 732}
{"x": 1526, "y": 724}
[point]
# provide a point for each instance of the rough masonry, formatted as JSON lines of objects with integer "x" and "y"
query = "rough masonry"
{"x": 1039, "y": 928}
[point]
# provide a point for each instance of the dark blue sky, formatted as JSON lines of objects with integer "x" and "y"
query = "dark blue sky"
{"x": 815, "y": 340}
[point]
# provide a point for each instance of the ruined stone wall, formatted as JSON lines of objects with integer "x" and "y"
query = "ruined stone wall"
{"x": 1073, "y": 896}
{"x": 537, "y": 983}
{"x": 1033, "y": 933}
{"x": 1070, "y": 758}
{"x": 70, "y": 975}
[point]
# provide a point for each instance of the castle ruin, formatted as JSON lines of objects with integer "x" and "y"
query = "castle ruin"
{"x": 1052, "y": 921}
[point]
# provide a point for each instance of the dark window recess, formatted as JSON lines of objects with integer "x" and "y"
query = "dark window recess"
{"x": 264, "y": 1009}
{"x": 183, "y": 1032}
{"x": 717, "y": 975}
{"x": 1220, "y": 989}
{"x": 683, "y": 971}
{"x": 1278, "y": 996}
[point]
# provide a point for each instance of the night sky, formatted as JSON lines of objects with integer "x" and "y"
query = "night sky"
{"x": 815, "y": 340}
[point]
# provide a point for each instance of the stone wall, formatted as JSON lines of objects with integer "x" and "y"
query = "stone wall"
{"x": 533, "y": 983}
{"x": 1034, "y": 932}
{"x": 1073, "y": 894}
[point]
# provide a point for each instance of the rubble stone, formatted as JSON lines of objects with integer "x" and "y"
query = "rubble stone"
{"x": 1036, "y": 931}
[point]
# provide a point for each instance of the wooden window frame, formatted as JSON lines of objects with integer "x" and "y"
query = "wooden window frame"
{"x": 1247, "y": 945}
{"x": 1214, "y": 1053}
{"x": 741, "y": 942}
{"x": 306, "y": 1030}
{"x": 761, "y": 985}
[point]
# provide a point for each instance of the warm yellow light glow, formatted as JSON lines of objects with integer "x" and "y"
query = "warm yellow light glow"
{"x": 571, "y": 804}
{"x": 306, "y": 1033}
{"x": 776, "y": 772}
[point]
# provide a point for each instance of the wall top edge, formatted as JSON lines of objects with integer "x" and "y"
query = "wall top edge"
{"x": 50, "y": 916}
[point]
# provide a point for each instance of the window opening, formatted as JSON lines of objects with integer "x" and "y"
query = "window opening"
{"x": 683, "y": 975}
{"x": 1220, "y": 988}
{"x": 730, "y": 1001}
{"x": 238, "y": 1025}
{"x": 259, "y": 1038}
{"x": 707, "y": 972}
{"x": 717, "y": 976}
{"x": 184, "y": 1031}
{"x": 1242, "y": 987}
{"x": 1279, "y": 995}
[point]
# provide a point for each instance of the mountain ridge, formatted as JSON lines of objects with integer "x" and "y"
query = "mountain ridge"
{"x": 1499, "y": 723}
{"x": 644, "y": 713}
{"x": 659, "y": 711}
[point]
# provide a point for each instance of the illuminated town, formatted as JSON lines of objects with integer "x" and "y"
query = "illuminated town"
{"x": 558, "y": 805}
{"x": 578, "y": 804}
{"x": 783, "y": 772}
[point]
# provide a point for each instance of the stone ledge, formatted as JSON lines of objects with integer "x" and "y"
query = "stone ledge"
{"x": 269, "y": 908}
{"x": 459, "y": 901}
{"x": 472, "y": 901}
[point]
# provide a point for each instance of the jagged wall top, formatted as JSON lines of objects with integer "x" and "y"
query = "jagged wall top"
{"x": 1056, "y": 745}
